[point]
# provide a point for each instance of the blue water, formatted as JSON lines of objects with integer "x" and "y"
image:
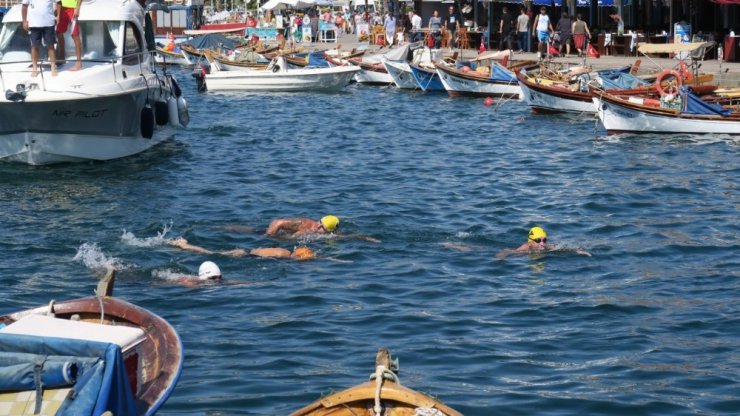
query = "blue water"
{"x": 649, "y": 325}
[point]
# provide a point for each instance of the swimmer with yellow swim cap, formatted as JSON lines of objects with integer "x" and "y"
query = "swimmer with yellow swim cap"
{"x": 299, "y": 253}
{"x": 296, "y": 227}
{"x": 536, "y": 242}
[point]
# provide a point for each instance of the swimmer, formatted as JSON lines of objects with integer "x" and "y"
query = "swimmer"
{"x": 296, "y": 227}
{"x": 208, "y": 272}
{"x": 536, "y": 243}
{"x": 299, "y": 253}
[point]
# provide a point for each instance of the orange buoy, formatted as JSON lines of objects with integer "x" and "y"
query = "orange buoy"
{"x": 488, "y": 101}
{"x": 673, "y": 86}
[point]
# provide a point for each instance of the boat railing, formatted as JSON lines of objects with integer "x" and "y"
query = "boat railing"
{"x": 134, "y": 59}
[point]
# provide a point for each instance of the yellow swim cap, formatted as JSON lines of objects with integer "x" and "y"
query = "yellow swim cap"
{"x": 537, "y": 232}
{"x": 303, "y": 253}
{"x": 330, "y": 222}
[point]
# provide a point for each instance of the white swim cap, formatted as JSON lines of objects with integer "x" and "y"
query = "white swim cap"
{"x": 208, "y": 270}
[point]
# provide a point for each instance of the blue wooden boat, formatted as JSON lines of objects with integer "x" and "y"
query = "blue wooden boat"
{"x": 427, "y": 79}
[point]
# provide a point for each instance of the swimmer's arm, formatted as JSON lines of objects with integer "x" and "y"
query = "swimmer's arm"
{"x": 288, "y": 224}
{"x": 239, "y": 228}
{"x": 583, "y": 252}
{"x": 505, "y": 253}
{"x": 271, "y": 252}
{"x": 183, "y": 244}
{"x": 357, "y": 237}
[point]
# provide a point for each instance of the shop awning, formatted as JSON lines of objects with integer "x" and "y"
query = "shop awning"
{"x": 725, "y": 1}
{"x": 511, "y": 1}
{"x": 542, "y": 2}
{"x": 583, "y": 3}
{"x": 606, "y": 3}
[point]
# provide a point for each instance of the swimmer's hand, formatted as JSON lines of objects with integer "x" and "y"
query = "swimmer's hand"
{"x": 178, "y": 242}
{"x": 583, "y": 252}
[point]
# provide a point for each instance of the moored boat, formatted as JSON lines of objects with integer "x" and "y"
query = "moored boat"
{"x": 383, "y": 395}
{"x": 401, "y": 74}
{"x": 117, "y": 104}
{"x": 680, "y": 113}
{"x": 278, "y": 76}
{"x": 493, "y": 81}
{"x": 88, "y": 356}
{"x": 427, "y": 79}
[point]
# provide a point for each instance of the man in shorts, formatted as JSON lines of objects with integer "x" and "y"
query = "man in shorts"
{"x": 38, "y": 19}
{"x": 68, "y": 14}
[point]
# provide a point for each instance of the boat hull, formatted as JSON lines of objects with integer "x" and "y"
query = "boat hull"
{"x": 401, "y": 74}
{"x": 619, "y": 118}
{"x": 293, "y": 80}
{"x": 427, "y": 79}
{"x": 544, "y": 99}
{"x": 458, "y": 84}
{"x": 98, "y": 128}
{"x": 373, "y": 76}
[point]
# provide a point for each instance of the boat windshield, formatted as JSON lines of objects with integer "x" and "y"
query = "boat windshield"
{"x": 99, "y": 39}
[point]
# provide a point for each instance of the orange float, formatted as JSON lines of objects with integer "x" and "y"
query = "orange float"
{"x": 673, "y": 85}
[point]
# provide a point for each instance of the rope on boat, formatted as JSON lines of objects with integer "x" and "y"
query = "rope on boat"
{"x": 379, "y": 373}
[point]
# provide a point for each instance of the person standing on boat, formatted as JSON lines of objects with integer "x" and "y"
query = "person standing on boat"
{"x": 67, "y": 15}
{"x": 565, "y": 28}
{"x": 38, "y": 20}
{"x": 452, "y": 25}
{"x": 522, "y": 30}
{"x": 580, "y": 31}
{"x": 390, "y": 28}
{"x": 541, "y": 29}
{"x": 297, "y": 227}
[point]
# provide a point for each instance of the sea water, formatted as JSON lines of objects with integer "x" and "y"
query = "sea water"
{"x": 649, "y": 324}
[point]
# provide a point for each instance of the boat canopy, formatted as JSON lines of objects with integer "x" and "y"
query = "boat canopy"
{"x": 500, "y": 73}
{"x": 93, "y": 370}
{"x": 614, "y": 79}
{"x": 695, "y": 105}
{"x": 397, "y": 54}
{"x": 672, "y": 47}
{"x": 211, "y": 41}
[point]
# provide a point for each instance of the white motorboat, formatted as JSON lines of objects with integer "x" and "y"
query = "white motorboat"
{"x": 118, "y": 104}
{"x": 278, "y": 76}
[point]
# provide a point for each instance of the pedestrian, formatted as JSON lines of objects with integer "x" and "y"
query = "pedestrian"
{"x": 522, "y": 30}
{"x": 565, "y": 28}
{"x": 452, "y": 25}
{"x": 580, "y": 34}
{"x": 390, "y": 28}
{"x": 541, "y": 29}
{"x": 435, "y": 28}
{"x": 38, "y": 20}
{"x": 505, "y": 27}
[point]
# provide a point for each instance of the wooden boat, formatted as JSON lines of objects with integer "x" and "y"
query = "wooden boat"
{"x": 683, "y": 113}
{"x": 278, "y": 76}
{"x": 118, "y": 357}
{"x": 165, "y": 57}
{"x": 400, "y": 72}
{"x": 383, "y": 395}
{"x": 426, "y": 79}
{"x": 462, "y": 80}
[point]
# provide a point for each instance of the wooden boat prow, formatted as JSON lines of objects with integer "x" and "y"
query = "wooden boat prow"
{"x": 393, "y": 398}
{"x": 153, "y": 362}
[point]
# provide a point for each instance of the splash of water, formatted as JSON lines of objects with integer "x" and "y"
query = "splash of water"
{"x": 92, "y": 256}
{"x": 168, "y": 274}
{"x": 129, "y": 238}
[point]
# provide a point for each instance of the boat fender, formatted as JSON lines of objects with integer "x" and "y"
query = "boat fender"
{"x": 176, "y": 87}
{"x": 183, "y": 112}
{"x": 161, "y": 112}
{"x": 147, "y": 122}
{"x": 673, "y": 85}
{"x": 173, "y": 112}
{"x": 276, "y": 68}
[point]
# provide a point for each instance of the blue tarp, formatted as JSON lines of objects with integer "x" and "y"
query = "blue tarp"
{"x": 101, "y": 383}
{"x": 211, "y": 41}
{"x": 542, "y": 2}
{"x": 612, "y": 79}
{"x": 695, "y": 105}
{"x": 606, "y": 3}
{"x": 499, "y": 73}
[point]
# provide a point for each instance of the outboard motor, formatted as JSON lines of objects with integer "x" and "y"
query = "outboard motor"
{"x": 199, "y": 73}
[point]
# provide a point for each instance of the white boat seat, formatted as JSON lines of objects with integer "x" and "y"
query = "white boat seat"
{"x": 47, "y": 326}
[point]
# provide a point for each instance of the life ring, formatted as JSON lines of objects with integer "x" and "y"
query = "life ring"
{"x": 673, "y": 86}
{"x": 685, "y": 72}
